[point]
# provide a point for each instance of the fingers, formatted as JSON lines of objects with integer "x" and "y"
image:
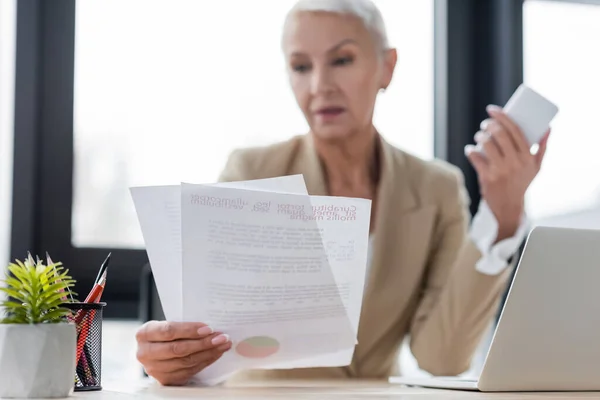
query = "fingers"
{"x": 506, "y": 144}
{"x": 190, "y": 361}
{"x": 478, "y": 161}
{"x": 175, "y": 378}
{"x": 173, "y": 352}
{"x": 148, "y": 351}
{"x": 539, "y": 156}
{"x": 490, "y": 148}
{"x": 182, "y": 376}
{"x": 165, "y": 331}
{"x": 522, "y": 146}
{"x": 179, "y": 377}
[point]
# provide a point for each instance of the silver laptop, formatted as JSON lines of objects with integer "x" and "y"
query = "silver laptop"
{"x": 548, "y": 335}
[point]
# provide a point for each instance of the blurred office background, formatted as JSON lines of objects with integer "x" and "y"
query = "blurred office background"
{"x": 97, "y": 96}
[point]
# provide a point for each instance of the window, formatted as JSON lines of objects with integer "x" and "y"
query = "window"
{"x": 561, "y": 60}
{"x": 7, "y": 64}
{"x": 167, "y": 101}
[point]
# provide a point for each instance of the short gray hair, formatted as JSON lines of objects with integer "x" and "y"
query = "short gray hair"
{"x": 365, "y": 10}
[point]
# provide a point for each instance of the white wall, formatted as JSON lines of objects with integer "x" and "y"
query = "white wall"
{"x": 7, "y": 64}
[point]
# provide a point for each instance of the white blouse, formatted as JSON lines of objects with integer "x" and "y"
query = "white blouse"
{"x": 483, "y": 232}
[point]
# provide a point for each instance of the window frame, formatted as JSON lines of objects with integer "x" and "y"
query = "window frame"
{"x": 7, "y": 47}
{"x": 478, "y": 61}
{"x": 43, "y": 166}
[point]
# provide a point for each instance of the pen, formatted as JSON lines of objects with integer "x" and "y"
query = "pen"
{"x": 103, "y": 267}
{"x": 94, "y": 297}
{"x": 96, "y": 292}
{"x": 84, "y": 319}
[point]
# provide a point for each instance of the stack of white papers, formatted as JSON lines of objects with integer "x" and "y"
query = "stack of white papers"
{"x": 281, "y": 272}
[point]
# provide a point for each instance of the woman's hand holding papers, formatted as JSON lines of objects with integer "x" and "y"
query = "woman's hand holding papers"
{"x": 173, "y": 352}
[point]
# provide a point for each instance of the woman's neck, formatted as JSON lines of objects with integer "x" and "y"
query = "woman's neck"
{"x": 350, "y": 164}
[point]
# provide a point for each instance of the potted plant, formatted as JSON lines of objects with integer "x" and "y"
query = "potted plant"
{"x": 37, "y": 342}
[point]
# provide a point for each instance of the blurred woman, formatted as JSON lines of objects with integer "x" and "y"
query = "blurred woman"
{"x": 434, "y": 274}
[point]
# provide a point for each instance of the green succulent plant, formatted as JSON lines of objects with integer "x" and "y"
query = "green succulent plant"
{"x": 36, "y": 292}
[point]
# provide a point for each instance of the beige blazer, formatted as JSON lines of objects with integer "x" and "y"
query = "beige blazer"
{"x": 422, "y": 280}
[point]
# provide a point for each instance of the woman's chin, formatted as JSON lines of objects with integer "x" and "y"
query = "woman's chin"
{"x": 331, "y": 133}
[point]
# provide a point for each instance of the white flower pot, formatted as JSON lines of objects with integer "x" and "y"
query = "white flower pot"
{"x": 37, "y": 361}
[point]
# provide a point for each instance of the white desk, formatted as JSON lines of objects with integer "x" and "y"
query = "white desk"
{"x": 308, "y": 390}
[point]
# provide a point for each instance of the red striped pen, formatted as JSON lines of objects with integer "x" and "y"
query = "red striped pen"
{"x": 94, "y": 297}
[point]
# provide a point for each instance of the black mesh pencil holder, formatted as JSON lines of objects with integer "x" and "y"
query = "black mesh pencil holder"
{"x": 88, "y": 320}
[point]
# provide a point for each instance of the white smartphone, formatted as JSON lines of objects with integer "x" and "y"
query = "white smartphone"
{"x": 532, "y": 112}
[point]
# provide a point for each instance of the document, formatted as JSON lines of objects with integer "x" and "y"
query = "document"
{"x": 159, "y": 214}
{"x": 281, "y": 272}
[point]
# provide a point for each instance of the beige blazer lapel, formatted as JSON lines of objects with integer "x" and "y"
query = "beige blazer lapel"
{"x": 400, "y": 242}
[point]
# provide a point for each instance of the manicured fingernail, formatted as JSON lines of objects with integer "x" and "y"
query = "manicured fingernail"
{"x": 481, "y": 136}
{"x": 205, "y": 331}
{"x": 493, "y": 108}
{"x": 469, "y": 149}
{"x": 220, "y": 339}
{"x": 224, "y": 347}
